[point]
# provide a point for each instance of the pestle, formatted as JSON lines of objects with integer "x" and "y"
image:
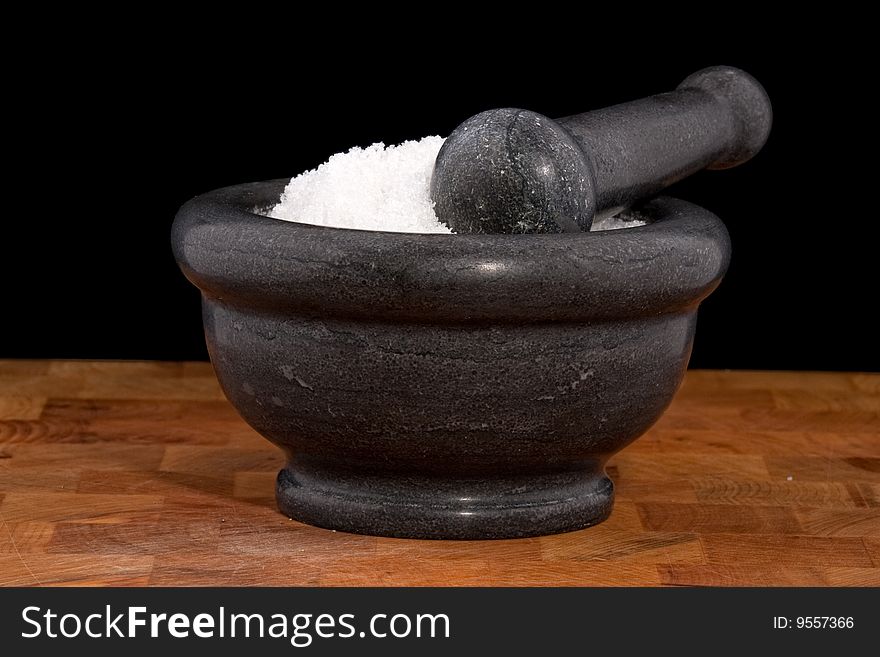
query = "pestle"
{"x": 515, "y": 171}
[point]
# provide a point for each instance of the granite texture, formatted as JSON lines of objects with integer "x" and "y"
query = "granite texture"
{"x": 515, "y": 171}
{"x": 446, "y": 386}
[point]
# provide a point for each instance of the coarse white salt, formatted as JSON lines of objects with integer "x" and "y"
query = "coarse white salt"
{"x": 380, "y": 188}
{"x": 626, "y": 219}
{"x": 373, "y": 188}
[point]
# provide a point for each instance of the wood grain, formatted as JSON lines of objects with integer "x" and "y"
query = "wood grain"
{"x": 129, "y": 474}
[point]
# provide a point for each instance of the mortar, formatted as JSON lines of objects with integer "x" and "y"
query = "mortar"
{"x": 446, "y": 386}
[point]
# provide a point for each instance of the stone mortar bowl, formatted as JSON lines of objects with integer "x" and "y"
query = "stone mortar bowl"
{"x": 446, "y": 386}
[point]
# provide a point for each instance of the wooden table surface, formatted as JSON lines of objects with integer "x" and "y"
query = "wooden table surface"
{"x": 142, "y": 474}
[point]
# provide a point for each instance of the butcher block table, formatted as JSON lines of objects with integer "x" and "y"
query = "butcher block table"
{"x": 140, "y": 473}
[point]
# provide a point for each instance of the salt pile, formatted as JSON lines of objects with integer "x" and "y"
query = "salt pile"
{"x": 379, "y": 188}
{"x": 373, "y": 188}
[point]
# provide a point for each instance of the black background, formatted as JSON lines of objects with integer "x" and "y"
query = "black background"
{"x": 112, "y": 132}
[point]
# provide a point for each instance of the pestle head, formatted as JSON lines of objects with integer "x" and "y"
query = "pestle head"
{"x": 513, "y": 171}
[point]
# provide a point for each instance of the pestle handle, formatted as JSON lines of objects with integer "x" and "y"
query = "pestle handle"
{"x": 717, "y": 118}
{"x": 510, "y": 170}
